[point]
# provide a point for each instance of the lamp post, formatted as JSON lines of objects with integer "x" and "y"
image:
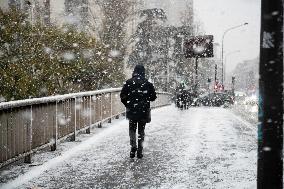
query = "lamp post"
{"x": 225, "y": 62}
{"x": 222, "y": 55}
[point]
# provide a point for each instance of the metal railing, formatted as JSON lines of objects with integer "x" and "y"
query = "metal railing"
{"x": 27, "y": 126}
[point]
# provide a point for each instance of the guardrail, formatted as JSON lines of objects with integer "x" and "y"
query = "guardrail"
{"x": 27, "y": 126}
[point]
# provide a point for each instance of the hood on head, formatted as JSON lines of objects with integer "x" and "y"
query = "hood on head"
{"x": 139, "y": 70}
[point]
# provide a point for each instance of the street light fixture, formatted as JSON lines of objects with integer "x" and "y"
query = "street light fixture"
{"x": 222, "y": 56}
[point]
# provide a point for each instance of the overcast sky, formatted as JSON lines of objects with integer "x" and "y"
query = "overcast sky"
{"x": 219, "y": 15}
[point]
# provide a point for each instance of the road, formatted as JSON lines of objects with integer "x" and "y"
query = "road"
{"x": 194, "y": 148}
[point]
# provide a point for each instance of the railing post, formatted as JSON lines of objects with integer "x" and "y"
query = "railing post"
{"x": 55, "y": 135}
{"x": 124, "y": 113}
{"x": 28, "y": 158}
{"x": 110, "y": 107}
{"x": 116, "y": 111}
{"x": 101, "y": 112}
{"x": 88, "y": 130}
{"x": 73, "y": 138}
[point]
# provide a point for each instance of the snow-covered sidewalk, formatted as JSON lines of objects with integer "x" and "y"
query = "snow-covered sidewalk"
{"x": 194, "y": 148}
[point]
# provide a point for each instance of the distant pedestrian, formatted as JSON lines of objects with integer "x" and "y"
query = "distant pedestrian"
{"x": 136, "y": 95}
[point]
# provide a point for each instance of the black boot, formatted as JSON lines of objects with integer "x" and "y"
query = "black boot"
{"x": 141, "y": 134}
{"x": 139, "y": 154}
{"x": 140, "y": 150}
{"x": 132, "y": 152}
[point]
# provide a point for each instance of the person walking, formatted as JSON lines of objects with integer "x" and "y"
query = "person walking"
{"x": 136, "y": 95}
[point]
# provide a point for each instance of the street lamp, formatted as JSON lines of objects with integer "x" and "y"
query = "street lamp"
{"x": 222, "y": 56}
{"x": 225, "y": 62}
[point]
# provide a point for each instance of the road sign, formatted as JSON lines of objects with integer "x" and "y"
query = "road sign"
{"x": 199, "y": 47}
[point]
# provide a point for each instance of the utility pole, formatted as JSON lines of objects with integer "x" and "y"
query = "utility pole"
{"x": 215, "y": 73}
{"x": 167, "y": 60}
{"x": 270, "y": 116}
{"x": 233, "y": 86}
{"x": 196, "y": 74}
{"x": 208, "y": 82}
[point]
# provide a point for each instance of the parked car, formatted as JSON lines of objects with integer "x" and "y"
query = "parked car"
{"x": 214, "y": 99}
{"x": 251, "y": 100}
{"x": 240, "y": 97}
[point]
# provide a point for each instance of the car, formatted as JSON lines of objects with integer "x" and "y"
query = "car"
{"x": 215, "y": 99}
{"x": 240, "y": 97}
{"x": 251, "y": 100}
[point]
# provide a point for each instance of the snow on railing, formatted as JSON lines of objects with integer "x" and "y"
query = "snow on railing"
{"x": 11, "y": 104}
{"x": 29, "y": 125}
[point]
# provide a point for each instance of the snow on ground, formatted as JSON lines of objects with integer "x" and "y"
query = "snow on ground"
{"x": 194, "y": 148}
{"x": 247, "y": 112}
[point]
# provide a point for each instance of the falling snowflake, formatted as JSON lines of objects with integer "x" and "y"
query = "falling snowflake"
{"x": 2, "y": 99}
{"x": 87, "y": 54}
{"x": 114, "y": 53}
{"x": 47, "y": 50}
{"x": 68, "y": 56}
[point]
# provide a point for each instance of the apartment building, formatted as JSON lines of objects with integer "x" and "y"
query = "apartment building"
{"x": 84, "y": 14}
{"x": 37, "y": 11}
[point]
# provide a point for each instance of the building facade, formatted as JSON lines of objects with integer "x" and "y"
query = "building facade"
{"x": 246, "y": 75}
{"x": 37, "y": 11}
{"x": 83, "y": 14}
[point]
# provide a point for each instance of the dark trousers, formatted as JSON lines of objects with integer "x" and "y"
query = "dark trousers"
{"x": 132, "y": 134}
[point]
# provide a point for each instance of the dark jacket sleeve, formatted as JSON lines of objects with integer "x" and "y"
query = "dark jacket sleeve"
{"x": 124, "y": 94}
{"x": 152, "y": 92}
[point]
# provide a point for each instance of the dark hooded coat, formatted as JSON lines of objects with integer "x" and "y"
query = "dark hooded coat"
{"x": 136, "y": 95}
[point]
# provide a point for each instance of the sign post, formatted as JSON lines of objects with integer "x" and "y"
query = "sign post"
{"x": 196, "y": 73}
{"x": 233, "y": 86}
{"x": 198, "y": 47}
